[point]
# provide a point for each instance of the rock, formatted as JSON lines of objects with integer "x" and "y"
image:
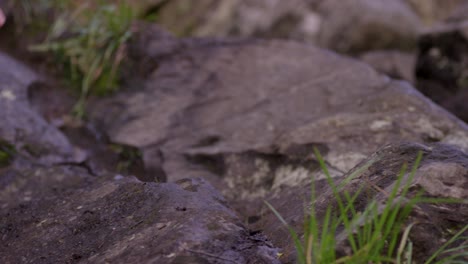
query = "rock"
{"x": 396, "y": 64}
{"x": 246, "y": 114}
{"x": 61, "y": 215}
{"x": 20, "y": 124}
{"x": 52, "y": 210}
{"x": 433, "y": 11}
{"x": 441, "y": 174}
{"x": 459, "y": 14}
{"x": 360, "y": 25}
{"x": 442, "y": 65}
{"x": 349, "y": 27}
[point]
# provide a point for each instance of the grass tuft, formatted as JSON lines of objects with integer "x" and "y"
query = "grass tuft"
{"x": 88, "y": 41}
{"x": 374, "y": 234}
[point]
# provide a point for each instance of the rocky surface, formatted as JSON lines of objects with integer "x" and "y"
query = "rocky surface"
{"x": 442, "y": 173}
{"x": 222, "y": 125}
{"x": 60, "y": 215}
{"x": 57, "y": 212}
{"x": 247, "y": 114}
{"x": 395, "y": 64}
{"x": 20, "y": 124}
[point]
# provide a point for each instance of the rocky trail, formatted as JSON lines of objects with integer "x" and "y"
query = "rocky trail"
{"x": 176, "y": 166}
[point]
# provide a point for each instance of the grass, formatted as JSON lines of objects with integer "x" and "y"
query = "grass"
{"x": 7, "y": 153}
{"x": 376, "y": 234}
{"x": 88, "y": 42}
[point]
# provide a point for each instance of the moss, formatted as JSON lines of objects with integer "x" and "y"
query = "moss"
{"x": 128, "y": 157}
{"x": 7, "y": 153}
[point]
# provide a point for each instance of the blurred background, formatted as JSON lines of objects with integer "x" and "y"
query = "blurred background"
{"x": 421, "y": 41}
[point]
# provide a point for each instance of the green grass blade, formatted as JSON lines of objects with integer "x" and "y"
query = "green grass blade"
{"x": 297, "y": 241}
{"x": 446, "y": 244}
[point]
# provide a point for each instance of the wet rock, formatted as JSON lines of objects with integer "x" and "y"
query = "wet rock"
{"x": 246, "y": 115}
{"x": 442, "y": 66}
{"x": 20, "y": 124}
{"x": 62, "y": 215}
{"x": 395, "y": 64}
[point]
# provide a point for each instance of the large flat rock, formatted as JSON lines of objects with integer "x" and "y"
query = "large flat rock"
{"x": 208, "y": 98}
{"x": 63, "y": 215}
{"x": 245, "y": 115}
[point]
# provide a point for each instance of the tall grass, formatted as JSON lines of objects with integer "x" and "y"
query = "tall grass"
{"x": 376, "y": 234}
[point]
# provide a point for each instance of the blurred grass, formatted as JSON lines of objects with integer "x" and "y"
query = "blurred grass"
{"x": 87, "y": 40}
{"x": 7, "y": 153}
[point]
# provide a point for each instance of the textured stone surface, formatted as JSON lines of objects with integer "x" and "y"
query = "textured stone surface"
{"x": 52, "y": 210}
{"x": 396, "y": 64}
{"x": 240, "y": 118}
{"x": 443, "y": 173}
{"x": 19, "y": 123}
{"x": 63, "y": 215}
{"x": 210, "y": 98}
{"x": 246, "y": 115}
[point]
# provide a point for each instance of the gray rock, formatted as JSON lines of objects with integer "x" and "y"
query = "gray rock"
{"x": 359, "y": 25}
{"x": 19, "y": 123}
{"x": 441, "y": 174}
{"x": 61, "y": 215}
{"x": 346, "y": 26}
{"x": 246, "y": 115}
{"x": 396, "y": 64}
{"x": 231, "y": 97}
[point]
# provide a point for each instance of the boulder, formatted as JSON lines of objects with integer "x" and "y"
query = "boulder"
{"x": 395, "y": 64}
{"x": 246, "y": 115}
{"x": 20, "y": 125}
{"x": 64, "y": 215}
{"x": 56, "y": 210}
